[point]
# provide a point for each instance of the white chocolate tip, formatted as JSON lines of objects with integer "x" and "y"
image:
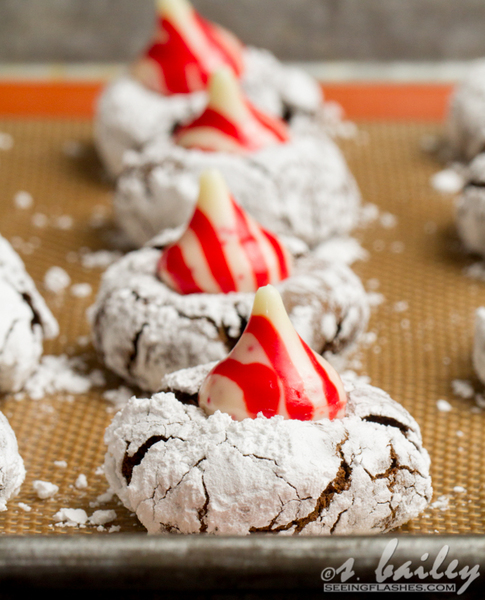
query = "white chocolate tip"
{"x": 174, "y": 9}
{"x": 214, "y": 198}
{"x": 268, "y": 303}
{"x": 225, "y": 95}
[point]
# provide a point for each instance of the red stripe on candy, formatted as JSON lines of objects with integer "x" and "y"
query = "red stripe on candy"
{"x": 213, "y": 251}
{"x": 275, "y": 125}
{"x": 251, "y": 247}
{"x": 213, "y": 34}
{"x": 173, "y": 56}
{"x": 282, "y": 262}
{"x": 258, "y": 383}
{"x": 297, "y": 404}
{"x": 329, "y": 388}
{"x": 172, "y": 261}
{"x": 214, "y": 120}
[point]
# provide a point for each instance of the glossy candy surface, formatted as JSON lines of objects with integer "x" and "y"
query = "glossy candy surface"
{"x": 272, "y": 371}
{"x": 185, "y": 51}
{"x": 223, "y": 249}
{"x": 230, "y": 123}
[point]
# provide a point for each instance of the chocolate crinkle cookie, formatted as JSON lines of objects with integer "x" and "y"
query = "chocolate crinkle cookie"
{"x": 25, "y": 321}
{"x": 302, "y": 188}
{"x": 12, "y": 470}
{"x": 470, "y": 208}
{"x": 465, "y": 126}
{"x": 182, "y": 471}
{"x": 129, "y": 115}
{"x": 142, "y": 329}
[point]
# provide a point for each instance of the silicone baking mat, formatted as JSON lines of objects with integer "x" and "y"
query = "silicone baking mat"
{"x": 421, "y": 327}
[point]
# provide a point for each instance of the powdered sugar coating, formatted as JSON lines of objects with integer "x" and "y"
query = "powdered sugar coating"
{"x": 302, "y": 188}
{"x": 184, "y": 472}
{"x": 142, "y": 329}
{"x": 465, "y": 127}
{"x": 470, "y": 208}
{"x": 128, "y": 115}
{"x": 25, "y": 321}
{"x": 12, "y": 470}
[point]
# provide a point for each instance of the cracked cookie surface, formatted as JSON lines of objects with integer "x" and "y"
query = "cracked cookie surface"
{"x": 302, "y": 188}
{"x": 129, "y": 116}
{"x": 25, "y": 321}
{"x": 181, "y": 471}
{"x": 142, "y": 329}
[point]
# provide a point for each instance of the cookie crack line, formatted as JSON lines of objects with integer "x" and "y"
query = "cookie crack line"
{"x": 36, "y": 319}
{"x": 130, "y": 462}
{"x": 202, "y": 512}
{"x": 134, "y": 354}
{"x": 388, "y": 422}
{"x": 339, "y": 484}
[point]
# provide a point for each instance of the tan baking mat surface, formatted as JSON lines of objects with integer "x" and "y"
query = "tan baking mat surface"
{"x": 423, "y": 326}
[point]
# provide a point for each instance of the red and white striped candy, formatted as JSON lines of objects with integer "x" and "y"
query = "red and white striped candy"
{"x": 186, "y": 50}
{"x": 223, "y": 249}
{"x": 230, "y": 123}
{"x": 271, "y": 370}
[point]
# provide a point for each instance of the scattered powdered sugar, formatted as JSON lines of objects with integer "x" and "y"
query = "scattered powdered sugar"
{"x": 400, "y": 306}
{"x": 459, "y": 489}
{"x": 388, "y": 220}
{"x": 462, "y": 388}
{"x": 81, "y": 290}
{"x": 60, "y": 463}
{"x": 25, "y": 247}
{"x": 441, "y": 503}
{"x": 443, "y": 406}
{"x": 118, "y": 397}
{"x": 375, "y": 299}
{"x": 342, "y": 249}
{"x": 56, "y": 280}
{"x": 368, "y": 338}
{"x": 24, "y": 506}
{"x": 6, "y": 141}
{"x": 102, "y": 498}
{"x": 40, "y": 220}
{"x": 70, "y": 517}
{"x": 23, "y": 200}
{"x": 447, "y": 181}
{"x": 355, "y": 378}
{"x": 78, "y": 517}
{"x": 475, "y": 271}
{"x": 44, "y": 489}
{"x": 369, "y": 213}
{"x": 64, "y": 222}
{"x": 397, "y": 247}
{"x": 81, "y": 482}
{"x": 83, "y": 340}
{"x": 101, "y": 259}
{"x": 101, "y": 517}
{"x": 61, "y": 374}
